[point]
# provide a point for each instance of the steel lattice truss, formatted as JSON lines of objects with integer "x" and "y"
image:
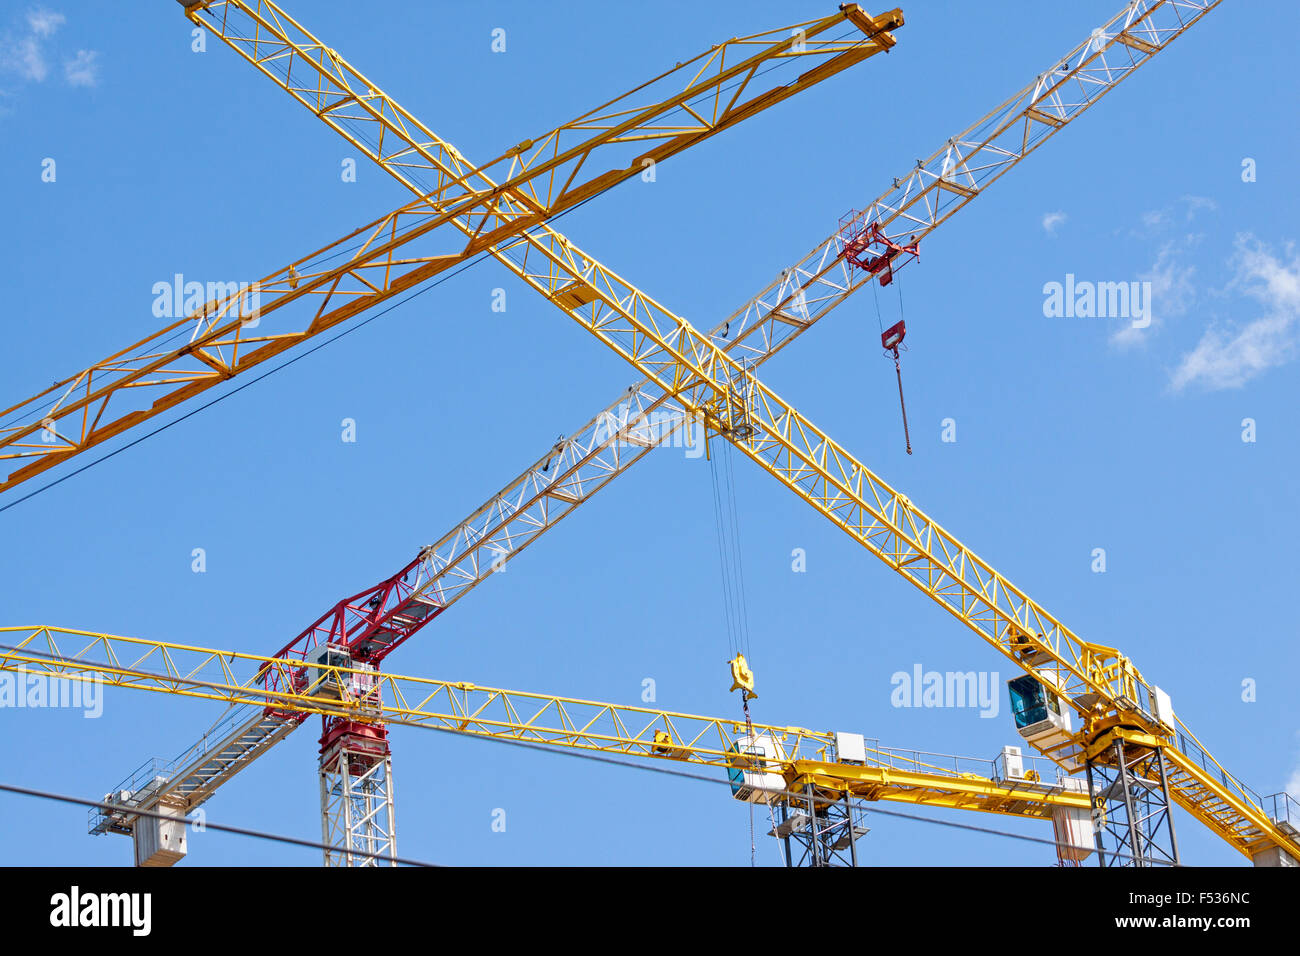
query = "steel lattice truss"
{"x": 616, "y": 438}
{"x": 357, "y": 816}
{"x": 465, "y": 213}
{"x": 709, "y": 384}
{"x": 239, "y": 679}
{"x": 706, "y": 383}
{"x": 1131, "y": 802}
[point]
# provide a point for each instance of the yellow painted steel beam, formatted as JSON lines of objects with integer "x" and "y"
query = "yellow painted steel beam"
{"x": 466, "y": 212}
{"x": 960, "y": 790}
{"x": 667, "y": 349}
{"x": 811, "y": 288}
{"x": 1098, "y": 680}
{"x": 231, "y": 677}
{"x": 335, "y": 91}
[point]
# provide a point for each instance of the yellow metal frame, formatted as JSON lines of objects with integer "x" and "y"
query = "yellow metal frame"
{"x": 1098, "y": 680}
{"x": 541, "y": 719}
{"x": 705, "y": 381}
{"x": 465, "y": 212}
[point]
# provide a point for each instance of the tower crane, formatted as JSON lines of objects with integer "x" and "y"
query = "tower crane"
{"x": 1136, "y": 34}
{"x": 1130, "y": 736}
{"x": 463, "y": 213}
{"x": 810, "y": 781}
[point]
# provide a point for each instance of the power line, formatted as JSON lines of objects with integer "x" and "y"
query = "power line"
{"x": 802, "y": 797}
{"x": 239, "y": 388}
{"x": 301, "y": 355}
{"x": 207, "y": 825}
{"x": 603, "y": 758}
{"x": 416, "y": 178}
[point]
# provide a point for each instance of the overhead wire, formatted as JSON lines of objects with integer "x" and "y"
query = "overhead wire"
{"x": 421, "y": 290}
{"x": 561, "y": 750}
{"x": 282, "y": 72}
{"x": 208, "y": 825}
{"x": 736, "y": 602}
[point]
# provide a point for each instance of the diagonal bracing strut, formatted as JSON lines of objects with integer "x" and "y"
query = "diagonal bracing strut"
{"x": 468, "y": 211}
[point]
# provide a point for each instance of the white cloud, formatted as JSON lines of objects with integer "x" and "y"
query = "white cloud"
{"x": 1172, "y": 292}
{"x": 43, "y": 22}
{"x": 1155, "y": 220}
{"x": 1051, "y": 220}
{"x": 1194, "y": 204}
{"x": 83, "y": 70}
{"x": 1228, "y": 356}
{"x": 1222, "y": 360}
{"x": 26, "y": 54}
{"x": 24, "y": 57}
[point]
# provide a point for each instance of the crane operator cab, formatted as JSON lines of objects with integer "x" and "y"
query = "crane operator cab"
{"x": 754, "y": 770}
{"x": 358, "y": 682}
{"x": 1036, "y": 705}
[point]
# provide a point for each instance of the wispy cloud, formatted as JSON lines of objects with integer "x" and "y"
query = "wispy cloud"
{"x": 1193, "y": 204}
{"x": 1184, "y": 210}
{"x": 82, "y": 70}
{"x": 23, "y": 51}
{"x": 43, "y": 23}
{"x": 1155, "y": 218}
{"x": 1052, "y": 220}
{"x": 1172, "y": 291}
{"x": 25, "y": 57}
{"x": 25, "y": 54}
{"x": 1230, "y": 355}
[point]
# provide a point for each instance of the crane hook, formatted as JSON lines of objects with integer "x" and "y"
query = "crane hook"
{"x": 891, "y": 339}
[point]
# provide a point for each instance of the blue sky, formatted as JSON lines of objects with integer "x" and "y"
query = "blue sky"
{"x": 1072, "y": 433}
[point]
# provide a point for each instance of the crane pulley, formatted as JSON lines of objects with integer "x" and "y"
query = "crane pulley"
{"x": 868, "y": 248}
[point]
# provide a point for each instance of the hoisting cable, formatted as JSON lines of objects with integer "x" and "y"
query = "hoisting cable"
{"x": 890, "y": 344}
{"x": 898, "y": 369}
{"x": 726, "y": 515}
{"x": 728, "y": 604}
{"x": 880, "y": 320}
{"x": 738, "y": 561}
